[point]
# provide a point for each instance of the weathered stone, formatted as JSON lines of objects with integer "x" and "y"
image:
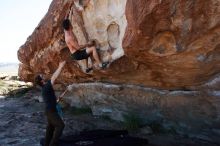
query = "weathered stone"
{"x": 3, "y": 76}
{"x": 38, "y": 98}
{"x": 159, "y": 43}
{"x": 20, "y": 114}
{"x": 146, "y": 130}
{"x": 180, "y": 111}
{"x": 165, "y": 44}
{"x": 13, "y": 87}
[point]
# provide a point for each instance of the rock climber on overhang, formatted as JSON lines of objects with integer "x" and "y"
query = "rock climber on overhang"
{"x": 79, "y": 52}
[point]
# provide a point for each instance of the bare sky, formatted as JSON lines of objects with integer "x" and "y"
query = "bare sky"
{"x": 18, "y": 19}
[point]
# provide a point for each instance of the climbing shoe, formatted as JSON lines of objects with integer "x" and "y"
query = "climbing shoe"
{"x": 88, "y": 70}
{"x": 104, "y": 65}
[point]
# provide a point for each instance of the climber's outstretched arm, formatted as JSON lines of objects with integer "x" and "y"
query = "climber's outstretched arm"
{"x": 57, "y": 72}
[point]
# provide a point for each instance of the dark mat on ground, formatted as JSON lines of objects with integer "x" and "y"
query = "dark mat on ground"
{"x": 101, "y": 138}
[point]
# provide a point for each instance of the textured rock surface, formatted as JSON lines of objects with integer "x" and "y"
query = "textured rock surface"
{"x": 164, "y": 44}
{"x": 181, "y": 110}
{"x": 10, "y": 86}
{"x": 158, "y": 43}
{"x": 19, "y": 115}
{"x": 23, "y": 122}
{"x": 174, "y": 40}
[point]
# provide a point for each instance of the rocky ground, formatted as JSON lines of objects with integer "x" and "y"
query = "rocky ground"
{"x": 23, "y": 123}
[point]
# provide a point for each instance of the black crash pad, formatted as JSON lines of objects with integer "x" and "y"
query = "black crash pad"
{"x": 101, "y": 138}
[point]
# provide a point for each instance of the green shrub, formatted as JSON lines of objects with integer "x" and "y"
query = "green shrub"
{"x": 106, "y": 117}
{"x": 19, "y": 92}
{"x": 80, "y": 111}
{"x": 156, "y": 127}
{"x": 132, "y": 121}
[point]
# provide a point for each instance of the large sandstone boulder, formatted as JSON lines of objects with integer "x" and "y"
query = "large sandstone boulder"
{"x": 157, "y": 43}
{"x": 162, "y": 44}
{"x": 177, "y": 111}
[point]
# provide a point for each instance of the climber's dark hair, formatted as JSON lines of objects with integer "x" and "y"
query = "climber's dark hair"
{"x": 66, "y": 24}
{"x": 38, "y": 80}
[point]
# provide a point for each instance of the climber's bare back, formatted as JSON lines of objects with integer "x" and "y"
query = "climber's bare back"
{"x": 71, "y": 41}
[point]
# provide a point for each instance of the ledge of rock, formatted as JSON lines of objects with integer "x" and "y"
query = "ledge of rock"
{"x": 164, "y": 44}
{"x": 181, "y": 111}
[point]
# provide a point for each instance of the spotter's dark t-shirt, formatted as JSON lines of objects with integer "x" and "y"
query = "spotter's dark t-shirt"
{"x": 49, "y": 96}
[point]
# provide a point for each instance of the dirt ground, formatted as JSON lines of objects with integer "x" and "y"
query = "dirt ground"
{"x": 23, "y": 123}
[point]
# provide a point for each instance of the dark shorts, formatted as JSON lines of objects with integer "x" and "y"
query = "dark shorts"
{"x": 80, "y": 55}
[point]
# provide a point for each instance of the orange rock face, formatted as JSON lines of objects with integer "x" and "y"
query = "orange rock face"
{"x": 170, "y": 44}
